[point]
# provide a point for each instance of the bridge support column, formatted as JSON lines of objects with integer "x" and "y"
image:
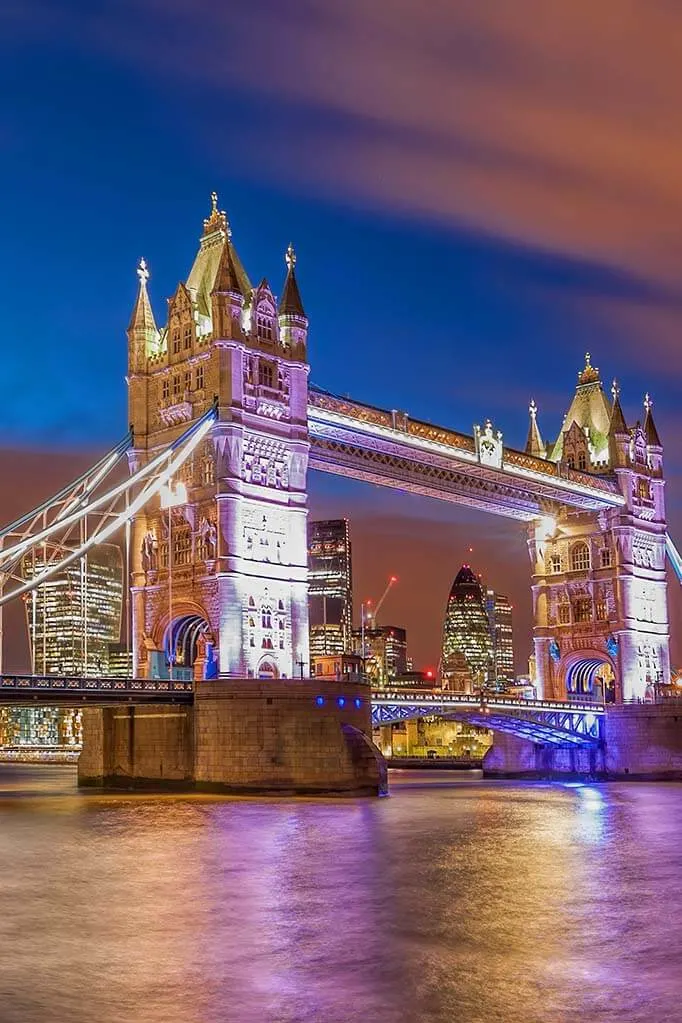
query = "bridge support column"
{"x": 269, "y": 736}
{"x": 296, "y": 736}
{"x": 512, "y": 757}
{"x": 137, "y": 747}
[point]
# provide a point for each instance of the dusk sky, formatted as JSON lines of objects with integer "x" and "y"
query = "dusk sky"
{"x": 477, "y": 193}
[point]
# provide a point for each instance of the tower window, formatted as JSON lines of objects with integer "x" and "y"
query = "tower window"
{"x": 200, "y": 378}
{"x": 555, "y": 563}
{"x": 580, "y": 558}
{"x": 165, "y": 388}
{"x": 564, "y": 614}
{"x": 188, "y": 336}
{"x": 643, "y": 490}
{"x": 605, "y": 557}
{"x": 188, "y": 380}
{"x": 582, "y": 463}
{"x": 176, "y": 386}
{"x": 570, "y": 461}
{"x": 583, "y": 609}
{"x": 266, "y": 375}
{"x": 264, "y": 327}
{"x": 176, "y": 340}
{"x": 600, "y": 611}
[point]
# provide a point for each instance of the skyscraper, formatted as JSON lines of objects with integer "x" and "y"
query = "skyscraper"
{"x": 385, "y": 652}
{"x": 330, "y": 587}
{"x": 500, "y": 618}
{"x": 75, "y": 614}
{"x": 466, "y": 630}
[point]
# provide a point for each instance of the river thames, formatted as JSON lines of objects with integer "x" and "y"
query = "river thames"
{"x": 452, "y": 900}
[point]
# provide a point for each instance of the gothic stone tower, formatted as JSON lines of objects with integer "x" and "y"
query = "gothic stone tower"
{"x": 599, "y": 590}
{"x": 220, "y": 580}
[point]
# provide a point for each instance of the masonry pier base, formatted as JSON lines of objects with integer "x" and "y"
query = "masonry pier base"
{"x": 240, "y": 736}
{"x": 641, "y": 742}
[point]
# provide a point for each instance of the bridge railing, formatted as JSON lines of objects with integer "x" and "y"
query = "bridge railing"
{"x": 61, "y": 683}
{"x": 441, "y": 698}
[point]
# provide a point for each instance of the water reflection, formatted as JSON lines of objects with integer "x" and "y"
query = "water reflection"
{"x": 452, "y": 900}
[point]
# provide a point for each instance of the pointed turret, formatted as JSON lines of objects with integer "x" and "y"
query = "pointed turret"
{"x": 227, "y": 296}
{"x": 650, "y": 431}
{"x": 142, "y": 331}
{"x": 534, "y": 443}
{"x": 290, "y": 302}
{"x": 619, "y": 434}
{"x": 293, "y": 322}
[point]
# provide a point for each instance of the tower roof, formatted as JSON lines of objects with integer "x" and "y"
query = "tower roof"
{"x": 650, "y": 431}
{"x": 142, "y": 318}
{"x": 534, "y": 444}
{"x": 227, "y": 277}
{"x": 590, "y": 409}
{"x": 291, "y": 303}
{"x": 202, "y": 277}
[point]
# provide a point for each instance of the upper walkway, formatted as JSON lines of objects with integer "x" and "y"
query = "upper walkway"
{"x": 390, "y": 448}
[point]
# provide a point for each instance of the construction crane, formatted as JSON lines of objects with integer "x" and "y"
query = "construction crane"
{"x": 372, "y": 616}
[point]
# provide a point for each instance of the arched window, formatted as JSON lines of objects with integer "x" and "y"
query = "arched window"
{"x": 564, "y": 614}
{"x": 582, "y": 463}
{"x": 570, "y": 461}
{"x": 580, "y": 558}
{"x": 280, "y": 603}
{"x": 555, "y": 563}
{"x": 266, "y": 616}
{"x": 252, "y": 602}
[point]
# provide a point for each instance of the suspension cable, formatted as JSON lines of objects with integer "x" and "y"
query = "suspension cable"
{"x": 187, "y": 443}
{"x": 23, "y": 545}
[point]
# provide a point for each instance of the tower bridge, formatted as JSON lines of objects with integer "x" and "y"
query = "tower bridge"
{"x": 225, "y": 426}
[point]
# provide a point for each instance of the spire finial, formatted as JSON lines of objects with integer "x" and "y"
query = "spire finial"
{"x": 290, "y": 258}
{"x": 615, "y": 390}
{"x": 217, "y": 219}
{"x": 143, "y": 272}
{"x": 648, "y": 403}
{"x": 590, "y": 374}
{"x": 533, "y": 409}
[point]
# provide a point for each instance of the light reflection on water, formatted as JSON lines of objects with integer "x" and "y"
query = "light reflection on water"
{"x": 452, "y": 900}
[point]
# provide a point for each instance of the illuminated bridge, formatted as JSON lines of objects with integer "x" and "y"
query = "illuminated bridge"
{"x": 558, "y": 723}
{"x": 541, "y": 721}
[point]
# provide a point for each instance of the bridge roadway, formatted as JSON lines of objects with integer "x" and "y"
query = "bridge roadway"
{"x": 389, "y": 448}
{"x": 540, "y": 721}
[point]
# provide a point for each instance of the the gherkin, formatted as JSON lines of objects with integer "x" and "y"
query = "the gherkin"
{"x": 466, "y": 629}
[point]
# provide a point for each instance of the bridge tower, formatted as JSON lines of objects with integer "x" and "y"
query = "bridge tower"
{"x": 219, "y": 582}
{"x": 599, "y": 588}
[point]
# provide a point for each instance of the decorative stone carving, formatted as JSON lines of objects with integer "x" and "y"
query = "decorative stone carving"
{"x": 489, "y": 445}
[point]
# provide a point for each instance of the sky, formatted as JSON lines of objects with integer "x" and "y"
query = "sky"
{"x": 477, "y": 196}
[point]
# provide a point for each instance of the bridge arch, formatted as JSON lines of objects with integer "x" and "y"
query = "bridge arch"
{"x": 187, "y": 642}
{"x": 588, "y": 675}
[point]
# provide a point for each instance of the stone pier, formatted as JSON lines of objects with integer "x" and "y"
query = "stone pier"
{"x": 641, "y": 742}
{"x": 260, "y": 737}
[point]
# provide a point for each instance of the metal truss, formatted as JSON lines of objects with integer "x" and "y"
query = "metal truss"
{"x": 540, "y": 721}
{"x": 71, "y": 691}
{"x": 64, "y": 528}
{"x": 389, "y": 449}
